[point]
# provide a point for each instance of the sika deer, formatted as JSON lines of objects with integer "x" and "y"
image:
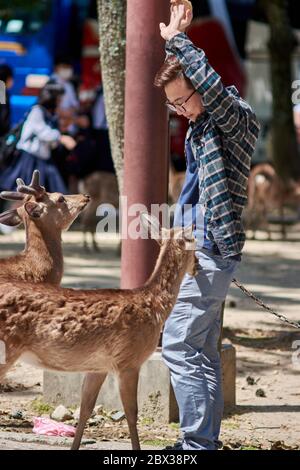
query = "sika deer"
{"x": 102, "y": 187}
{"x": 44, "y": 215}
{"x": 266, "y": 192}
{"x": 97, "y": 331}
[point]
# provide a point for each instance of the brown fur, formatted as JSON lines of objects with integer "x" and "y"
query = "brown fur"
{"x": 95, "y": 331}
{"x": 102, "y": 187}
{"x": 42, "y": 258}
{"x": 266, "y": 192}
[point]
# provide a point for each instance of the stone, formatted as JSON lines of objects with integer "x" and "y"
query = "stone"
{"x": 118, "y": 416}
{"x": 155, "y": 393}
{"x": 61, "y": 413}
{"x": 17, "y": 414}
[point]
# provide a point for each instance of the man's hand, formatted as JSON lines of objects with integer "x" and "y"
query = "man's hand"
{"x": 186, "y": 21}
{"x": 180, "y": 20}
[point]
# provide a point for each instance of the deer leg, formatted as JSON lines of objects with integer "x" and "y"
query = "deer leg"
{"x": 3, "y": 369}
{"x": 128, "y": 383}
{"x": 90, "y": 389}
{"x": 119, "y": 248}
{"x": 283, "y": 226}
{"x": 85, "y": 244}
{"x": 7, "y": 360}
{"x": 95, "y": 245}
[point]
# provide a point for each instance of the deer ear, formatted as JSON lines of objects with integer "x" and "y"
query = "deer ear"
{"x": 188, "y": 232}
{"x": 33, "y": 209}
{"x": 10, "y": 218}
{"x": 151, "y": 223}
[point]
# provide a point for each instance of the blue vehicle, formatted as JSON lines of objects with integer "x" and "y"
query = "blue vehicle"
{"x": 31, "y": 38}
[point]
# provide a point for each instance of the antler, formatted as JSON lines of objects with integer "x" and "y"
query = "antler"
{"x": 34, "y": 189}
{"x": 10, "y": 218}
{"x": 11, "y": 196}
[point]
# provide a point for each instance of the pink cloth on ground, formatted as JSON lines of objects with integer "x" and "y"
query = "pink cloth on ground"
{"x": 48, "y": 427}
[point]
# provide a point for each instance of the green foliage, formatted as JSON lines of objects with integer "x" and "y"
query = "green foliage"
{"x": 250, "y": 448}
{"x": 40, "y": 407}
{"x": 158, "y": 442}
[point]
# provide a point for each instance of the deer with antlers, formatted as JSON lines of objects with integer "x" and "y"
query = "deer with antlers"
{"x": 97, "y": 331}
{"x": 45, "y": 216}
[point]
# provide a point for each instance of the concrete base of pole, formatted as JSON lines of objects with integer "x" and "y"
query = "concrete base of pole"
{"x": 155, "y": 394}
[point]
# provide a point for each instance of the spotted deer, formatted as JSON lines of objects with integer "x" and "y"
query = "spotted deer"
{"x": 45, "y": 216}
{"x": 268, "y": 192}
{"x": 102, "y": 187}
{"x": 97, "y": 331}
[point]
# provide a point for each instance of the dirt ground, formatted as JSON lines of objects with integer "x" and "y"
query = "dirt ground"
{"x": 267, "y": 414}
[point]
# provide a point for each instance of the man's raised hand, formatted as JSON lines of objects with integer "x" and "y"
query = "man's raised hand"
{"x": 180, "y": 19}
{"x": 186, "y": 21}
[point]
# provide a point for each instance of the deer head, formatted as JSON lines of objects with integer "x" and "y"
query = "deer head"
{"x": 49, "y": 210}
{"x": 182, "y": 238}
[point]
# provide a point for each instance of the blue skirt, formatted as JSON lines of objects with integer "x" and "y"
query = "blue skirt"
{"x": 24, "y": 167}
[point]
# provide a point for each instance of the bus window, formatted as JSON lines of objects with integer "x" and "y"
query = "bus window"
{"x": 25, "y": 20}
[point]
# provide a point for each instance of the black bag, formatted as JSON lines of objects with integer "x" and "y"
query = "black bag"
{"x": 8, "y": 145}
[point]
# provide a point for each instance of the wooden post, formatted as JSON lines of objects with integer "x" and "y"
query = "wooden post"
{"x": 146, "y": 131}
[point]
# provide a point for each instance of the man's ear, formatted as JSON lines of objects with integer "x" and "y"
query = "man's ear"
{"x": 33, "y": 209}
{"x": 10, "y": 218}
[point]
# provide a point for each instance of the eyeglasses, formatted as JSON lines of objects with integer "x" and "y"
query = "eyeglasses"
{"x": 179, "y": 107}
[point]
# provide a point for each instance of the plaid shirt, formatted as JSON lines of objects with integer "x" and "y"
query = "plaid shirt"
{"x": 222, "y": 140}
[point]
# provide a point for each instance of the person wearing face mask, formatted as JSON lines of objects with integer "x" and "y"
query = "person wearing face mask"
{"x": 39, "y": 136}
{"x": 63, "y": 73}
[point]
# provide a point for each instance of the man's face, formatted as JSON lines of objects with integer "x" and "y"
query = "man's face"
{"x": 179, "y": 93}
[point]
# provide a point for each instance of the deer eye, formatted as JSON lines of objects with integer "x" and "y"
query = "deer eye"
{"x": 61, "y": 199}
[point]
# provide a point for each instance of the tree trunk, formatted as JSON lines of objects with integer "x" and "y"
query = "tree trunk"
{"x": 112, "y": 34}
{"x": 281, "y": 45}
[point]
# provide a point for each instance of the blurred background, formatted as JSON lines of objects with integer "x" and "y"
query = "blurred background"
{"x": 58, "y": 40}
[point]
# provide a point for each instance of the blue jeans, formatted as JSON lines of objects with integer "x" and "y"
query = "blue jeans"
{"x": 190, "y": 350}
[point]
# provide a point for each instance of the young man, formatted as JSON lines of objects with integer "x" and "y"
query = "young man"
{"x": 219, "y": 144}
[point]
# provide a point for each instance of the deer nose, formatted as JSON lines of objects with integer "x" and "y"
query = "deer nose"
{"x": 87, "y": 196}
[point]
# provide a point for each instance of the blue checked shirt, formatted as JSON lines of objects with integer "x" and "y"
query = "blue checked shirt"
{"x": 222, "y": 141}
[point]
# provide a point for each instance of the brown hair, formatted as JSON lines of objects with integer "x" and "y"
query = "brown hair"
{"x": 169, "y": 71}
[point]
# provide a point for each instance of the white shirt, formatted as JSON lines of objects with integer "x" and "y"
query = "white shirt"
{"x": 37, "y": 137}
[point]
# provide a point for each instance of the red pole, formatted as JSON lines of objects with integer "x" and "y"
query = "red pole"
{"x": 146, "y": 130}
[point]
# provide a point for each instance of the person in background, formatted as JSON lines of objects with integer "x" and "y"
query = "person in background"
{"x": 63, "y": 73}
{"x": 101, "y": 134}
{"x": 6, "y": 76}
{"x": 39, "y": 136}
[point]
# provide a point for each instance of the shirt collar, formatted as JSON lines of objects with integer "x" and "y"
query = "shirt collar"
{"x": 199, "y": 124}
